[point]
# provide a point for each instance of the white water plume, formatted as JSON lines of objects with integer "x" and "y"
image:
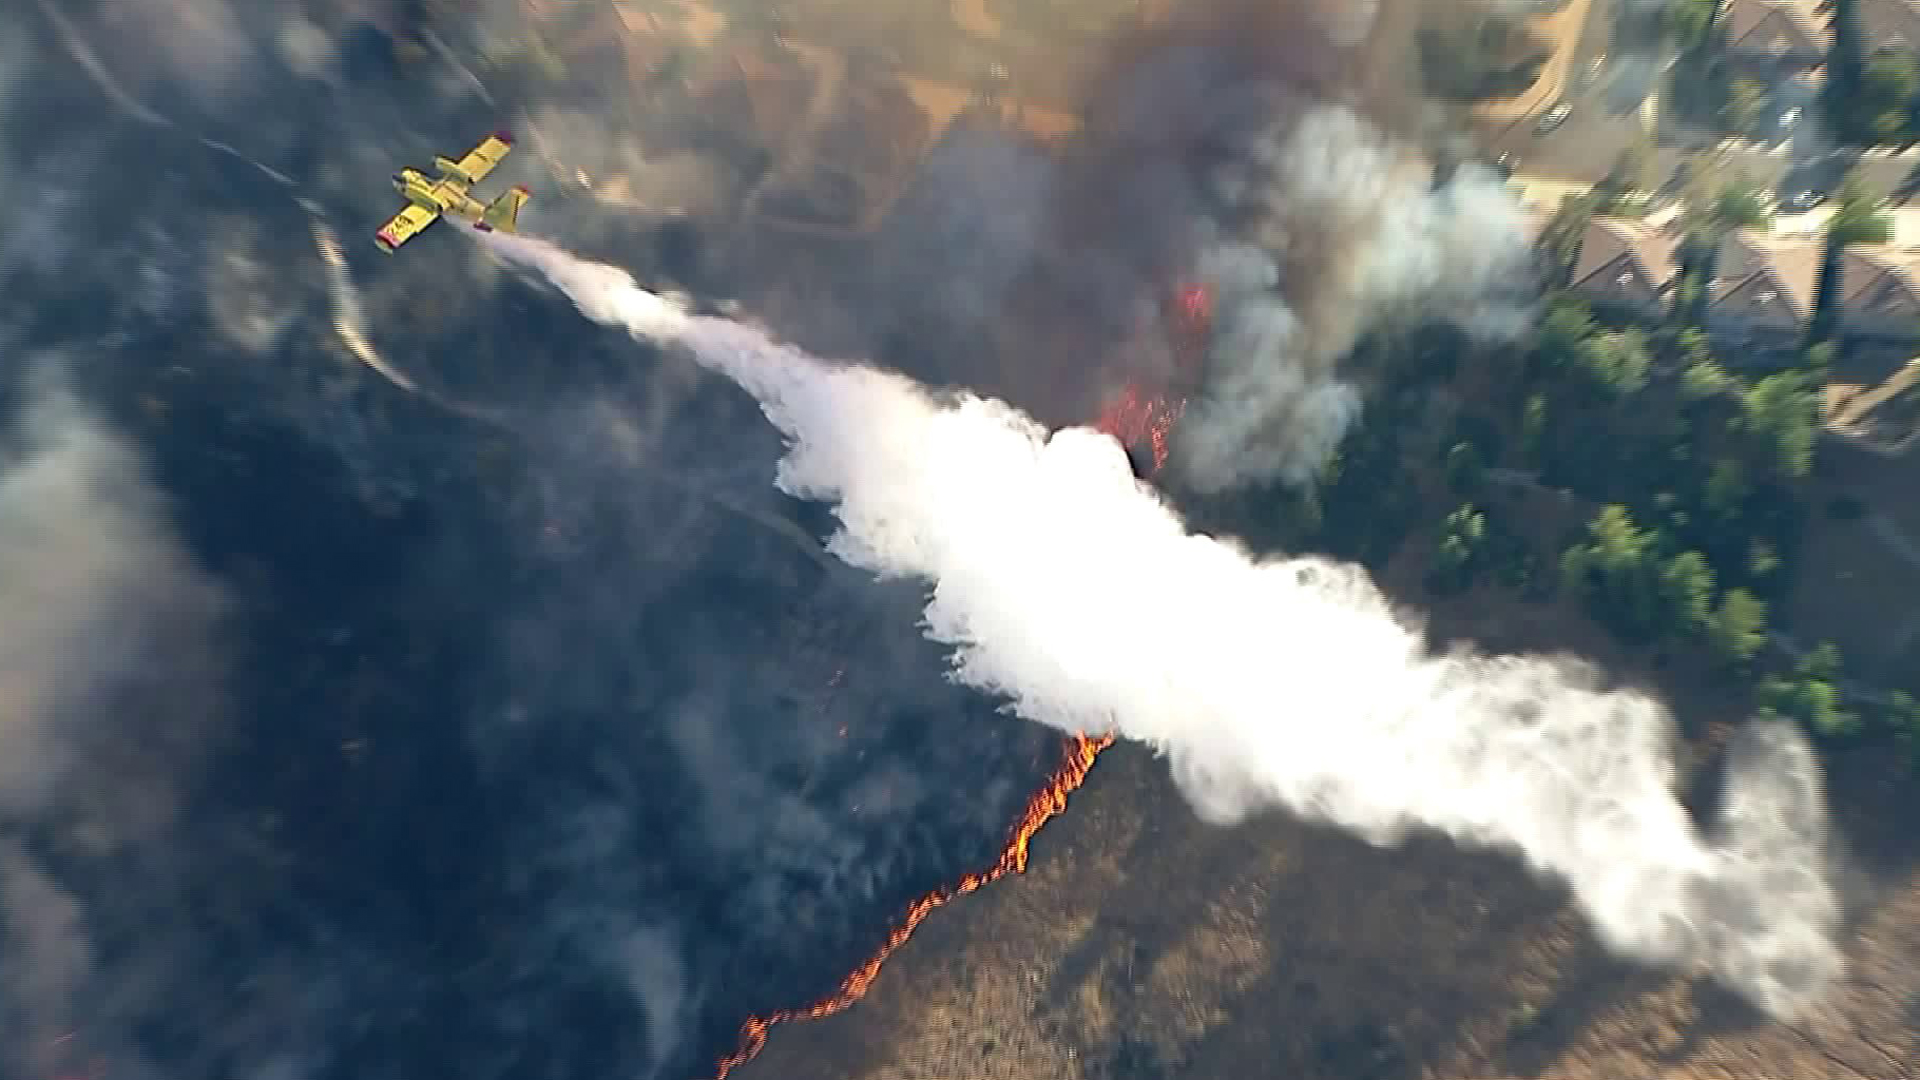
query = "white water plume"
{"x": 1285, "y": 682}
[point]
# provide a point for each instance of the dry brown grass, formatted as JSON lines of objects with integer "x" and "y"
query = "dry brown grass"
{"x": 1143, "y": 944}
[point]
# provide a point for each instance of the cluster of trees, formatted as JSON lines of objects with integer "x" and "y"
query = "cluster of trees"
{"x": 1704, "y": 88}
{"x": 1696, "y": 480}
{"x": 1637, "y": 584}
{"x": 1699, "y": 479}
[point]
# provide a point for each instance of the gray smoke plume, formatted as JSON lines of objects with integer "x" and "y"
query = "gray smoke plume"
{"x": 1245, "y": 145}
{"x": 109, "y": 683}
{"x": 1331, "y": 230}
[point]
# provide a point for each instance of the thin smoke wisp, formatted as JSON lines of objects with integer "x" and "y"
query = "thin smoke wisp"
{"x": 1286, "y": 682}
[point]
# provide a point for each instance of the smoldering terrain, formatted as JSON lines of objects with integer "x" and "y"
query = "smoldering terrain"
{"x": 512, "y": 724}
{"x": 353, "y": 735}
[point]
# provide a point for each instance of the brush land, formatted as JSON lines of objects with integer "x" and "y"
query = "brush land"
{"x": 1607, "y": 489}
{"x": 1739, "y": 538}
{"x": 1142, "y": 944}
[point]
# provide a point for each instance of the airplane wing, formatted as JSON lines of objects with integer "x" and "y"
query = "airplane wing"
{"x": 481, "y": 159}
{"x": 411, "y": 219}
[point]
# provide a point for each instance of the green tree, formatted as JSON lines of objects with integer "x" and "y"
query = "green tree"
{"x": 1780, "y": 414}
{"x": 1620, "y": 361}
{"x": 1703, "y": 379}
{"x": 1565, "y": 330}
{"x": 1818, "y": 360}
{"x": 1617, "y": 571}
{"x": 1458, "y": 556}
{"x": 1857, "y": 219}
{"x": 1888, "y": 87}
{"x": 1738, "y": 629}
{"x": 1745, "y": 106}
{"x": 1692, "y": 23}
{"x": 1686, "y": 585}
{"x": 1714, "y": 213}
{"x": 1811, "y": 694}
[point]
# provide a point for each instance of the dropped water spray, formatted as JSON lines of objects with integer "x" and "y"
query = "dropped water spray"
{"x": 1286, "y": 682}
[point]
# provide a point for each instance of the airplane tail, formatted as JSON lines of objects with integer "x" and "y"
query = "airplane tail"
{"x": 503, "y": 213}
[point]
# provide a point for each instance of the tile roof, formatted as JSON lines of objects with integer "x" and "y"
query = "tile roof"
{"x": 1609, "y": 241}
{"x": 1890, "y": 24}
{"x": 1759, "y": 270}
{"x": 1775, "y": 26}
{"x": 1881, "y": 282}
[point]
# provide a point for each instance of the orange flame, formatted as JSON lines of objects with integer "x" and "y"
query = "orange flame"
{"x": 1196, "y": 304}
{"x": 1136, "y": 417}
{"x": 1140, "y": 416}
{"x": 1049, "y": 801}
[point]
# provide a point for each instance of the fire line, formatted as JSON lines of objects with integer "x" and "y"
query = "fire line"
{"x": 1049, "y": 801}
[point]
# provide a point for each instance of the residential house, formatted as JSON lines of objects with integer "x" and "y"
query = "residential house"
{"x": 1890, "y": 24}
{"x": 1880, "y": 292}
{"x": 1625, "y": 264}
{"x": 1763, "y": 285}
{"x": 1789, "y": 32}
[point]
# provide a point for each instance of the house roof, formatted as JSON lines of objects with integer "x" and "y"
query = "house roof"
{"x": 1611, "y": 241}
{"x": 1761, "y": 25}
{"x": 1891, "y": 24}
{"x": 1758, "y": 274}
{"x": 1881, "y": 282}
{"x": 1756, "y": 268}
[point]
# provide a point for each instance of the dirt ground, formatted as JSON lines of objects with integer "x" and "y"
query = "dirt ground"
{"x": 1142, "y": 944}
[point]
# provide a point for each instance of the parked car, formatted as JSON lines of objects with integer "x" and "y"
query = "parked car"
{"x": 1551, "y": 120}
{"x": 1801, "y": 201}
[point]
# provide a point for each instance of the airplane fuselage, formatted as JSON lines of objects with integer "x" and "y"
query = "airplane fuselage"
{"x": 450, "y": 194}
{"x": 444, "y": 194}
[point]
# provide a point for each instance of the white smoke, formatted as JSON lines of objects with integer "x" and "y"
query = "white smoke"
{"x": 1403, "y": 248}
{"x": 1287, "y": 682}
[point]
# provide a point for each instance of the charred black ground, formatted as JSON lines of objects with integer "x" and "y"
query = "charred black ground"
{"x": 538, "y": 755}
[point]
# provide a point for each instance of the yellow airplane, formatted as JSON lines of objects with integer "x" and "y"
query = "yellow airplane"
{"x": 429, "y": 197}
